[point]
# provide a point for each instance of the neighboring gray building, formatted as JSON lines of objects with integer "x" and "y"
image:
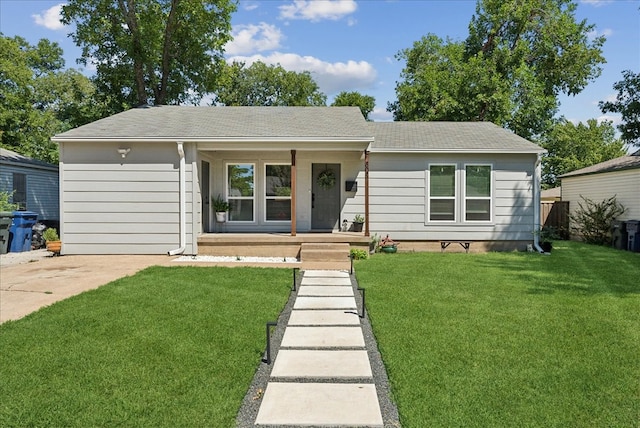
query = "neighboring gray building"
{"x": 141, "y": 182}
{"x": 34, "y": 184}
{"x": 619, "y": 177}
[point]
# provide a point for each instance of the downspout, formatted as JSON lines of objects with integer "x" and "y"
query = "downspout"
{"x": 183, "y": 205}
{"x": 536, "y": 205}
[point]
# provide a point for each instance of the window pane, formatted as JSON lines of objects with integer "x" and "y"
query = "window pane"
{"x": 240, "y": 180}
{"x": 20, "y": 190}
{"x": 478, "y": 210}
{"x": 478, "y": 180}
{"x": 278, "y": 209}
{"x": 241, "y": 210}
{"x": 442, "y": 210}
{"x": 442, "y": 180}
{"x": 278, "y": 180}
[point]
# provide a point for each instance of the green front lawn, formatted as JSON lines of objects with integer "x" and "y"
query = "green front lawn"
{"x": 509, "y": 339}
{"x": 167, "y": 347}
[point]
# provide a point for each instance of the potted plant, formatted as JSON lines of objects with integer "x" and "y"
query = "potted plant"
{"x": 358, "y": 221}
{"x": 220, "y": 206}
{"x": 53, "y": 240}
{"x": 388, "y": 245}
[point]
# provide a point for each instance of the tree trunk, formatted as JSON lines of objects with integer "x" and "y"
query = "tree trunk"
{"x": 167, "y": 54}
{"x": 129, "y": 11}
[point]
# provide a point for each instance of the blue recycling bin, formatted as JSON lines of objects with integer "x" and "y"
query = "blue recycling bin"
{"x": 20, "y": 232}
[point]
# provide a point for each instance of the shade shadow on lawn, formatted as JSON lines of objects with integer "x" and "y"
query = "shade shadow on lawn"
{"x": 509, "y": 339}
{"x": 166, "y": 347}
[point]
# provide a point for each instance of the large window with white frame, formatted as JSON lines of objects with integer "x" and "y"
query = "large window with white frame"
{"x": 477, "y": 192}
{"x": 241, "y": 191}
{"x": 442, "y": 193}
{"x": 277, "y": 192}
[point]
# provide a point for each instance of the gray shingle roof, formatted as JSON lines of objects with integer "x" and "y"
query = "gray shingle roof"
{"x": 448, "y": 136}
{"x": 617, "y": 164}
{"x": 8, "y": 156}
{"x": 287, "y": 123}
{"x": 227, "y": 122}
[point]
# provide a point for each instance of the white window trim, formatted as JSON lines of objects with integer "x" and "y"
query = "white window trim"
{"x": 229, "y": 197}
{"x": 265, "y": 197}
{"x": 454, "y": 197}
{"x": 490, "y": 198}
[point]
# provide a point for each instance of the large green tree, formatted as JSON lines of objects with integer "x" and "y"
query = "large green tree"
{"x": 38, "y": 98}
{"x": 366, "y": 102}
{"x": 151, "y": 51}
{"x": 268, "y": 85}
{"x": 628, "y": 104}
{"x": 571, "y": 147}
{"x": 519, "y": 56}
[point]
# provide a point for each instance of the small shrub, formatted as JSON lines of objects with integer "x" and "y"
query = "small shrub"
{"x": 51, "y": 235}
{"x": 358, "y": 254}
{"x": 5, "y": 205}
{"x": 593, "y": 220}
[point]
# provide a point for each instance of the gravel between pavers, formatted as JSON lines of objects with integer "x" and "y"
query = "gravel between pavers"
{"x": 251, "y": 404}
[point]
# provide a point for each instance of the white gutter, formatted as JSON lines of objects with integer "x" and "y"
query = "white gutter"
{"x": 183, "y": 205}
{"x": 537, "y": 178}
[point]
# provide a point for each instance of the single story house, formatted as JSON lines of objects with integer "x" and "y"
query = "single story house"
{"x": 33, "y": 183}
{"x": 619, "y": 177}
{"x": 143, "y": 181}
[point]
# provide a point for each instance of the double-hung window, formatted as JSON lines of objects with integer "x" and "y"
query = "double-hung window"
{"x": 240, "y": 191}
{"x": 442, "y": 193}
{"x": 477, "y": 193}
{"x": 20, "y": 190}
{"x": 277, "y": 192}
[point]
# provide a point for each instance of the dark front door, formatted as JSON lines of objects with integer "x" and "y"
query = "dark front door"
{"x": 205, "y": 197}
{"x": 325, "y": 197}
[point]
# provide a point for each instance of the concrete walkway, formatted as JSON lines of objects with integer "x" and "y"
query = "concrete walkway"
{"x": 322, "y": 375}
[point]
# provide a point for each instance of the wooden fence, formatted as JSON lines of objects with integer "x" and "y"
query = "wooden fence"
{"x": 556, "y": 214}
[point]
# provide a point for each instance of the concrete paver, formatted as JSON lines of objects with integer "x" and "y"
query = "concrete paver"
{"x": 320, "y": 317}
{"x": 325, "y": 281}
{"x": 300, "y": 404}
{"x": 294, "y": 363}
{"x": 309, "y": 273}
{"x": 325, "y": 290}
{"x": 304, "y": 302}
{"x": 323, "y": 337}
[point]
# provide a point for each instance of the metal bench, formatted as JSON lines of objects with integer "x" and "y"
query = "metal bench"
{"x": 463, "y": 244}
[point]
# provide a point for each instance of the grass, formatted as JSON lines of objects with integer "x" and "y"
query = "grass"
{"x": 509, "y": 339}
{"x": 167, "y": 347}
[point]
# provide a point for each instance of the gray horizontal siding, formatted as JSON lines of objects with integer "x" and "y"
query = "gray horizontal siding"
{"x": 398, "y": 198}
{"x": 43, "y": 195}
{"x": 132, "y": 206}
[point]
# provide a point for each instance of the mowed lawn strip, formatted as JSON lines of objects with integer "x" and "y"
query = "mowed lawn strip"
{"x": 509, "y": 339}
{"x": 174, "y": 346}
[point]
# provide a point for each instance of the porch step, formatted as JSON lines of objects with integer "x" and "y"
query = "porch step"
{"x": 324, "y": 252}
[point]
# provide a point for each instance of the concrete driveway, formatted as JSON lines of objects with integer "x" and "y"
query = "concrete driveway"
{"x": 29, "y": 282}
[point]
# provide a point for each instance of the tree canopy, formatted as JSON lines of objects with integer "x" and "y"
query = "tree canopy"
{"x": 518, "y": 57}
{"x": 628, "y": 104}
{"x": 267, "y": 85}
{"x": 571, "y": 147}
{"x": 38, "y": 98}
{"x": 366, "y": 102}
{"x": 151, "y": 51}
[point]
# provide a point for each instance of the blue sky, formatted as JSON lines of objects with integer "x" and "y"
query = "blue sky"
{"x": 350, "y": 45}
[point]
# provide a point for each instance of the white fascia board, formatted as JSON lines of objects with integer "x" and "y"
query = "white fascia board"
{"x": 475, "y": 151}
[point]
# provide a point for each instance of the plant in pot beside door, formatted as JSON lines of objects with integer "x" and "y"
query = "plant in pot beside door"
{"x": 358, "y": 221}
{"x": 221, "y": 207}
{"x": 53, "y": 240}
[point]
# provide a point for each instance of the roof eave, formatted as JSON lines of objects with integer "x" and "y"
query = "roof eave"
{"x": 475, "y": 151}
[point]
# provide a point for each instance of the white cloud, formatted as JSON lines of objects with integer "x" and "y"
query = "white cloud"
{"x": 247, "y": 5}
{"x": 595, "y": 33}
{"x": 596, "y": 3}
{"x": 50, "y": 18}
{"x": 318, "y": 10}
{"x": 330, "y": 77}
{"x": 254, "y": 38}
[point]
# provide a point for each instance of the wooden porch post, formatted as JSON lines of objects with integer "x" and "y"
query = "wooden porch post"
{"x": 366, "y": 193}
{"x": 293, "y": 193}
